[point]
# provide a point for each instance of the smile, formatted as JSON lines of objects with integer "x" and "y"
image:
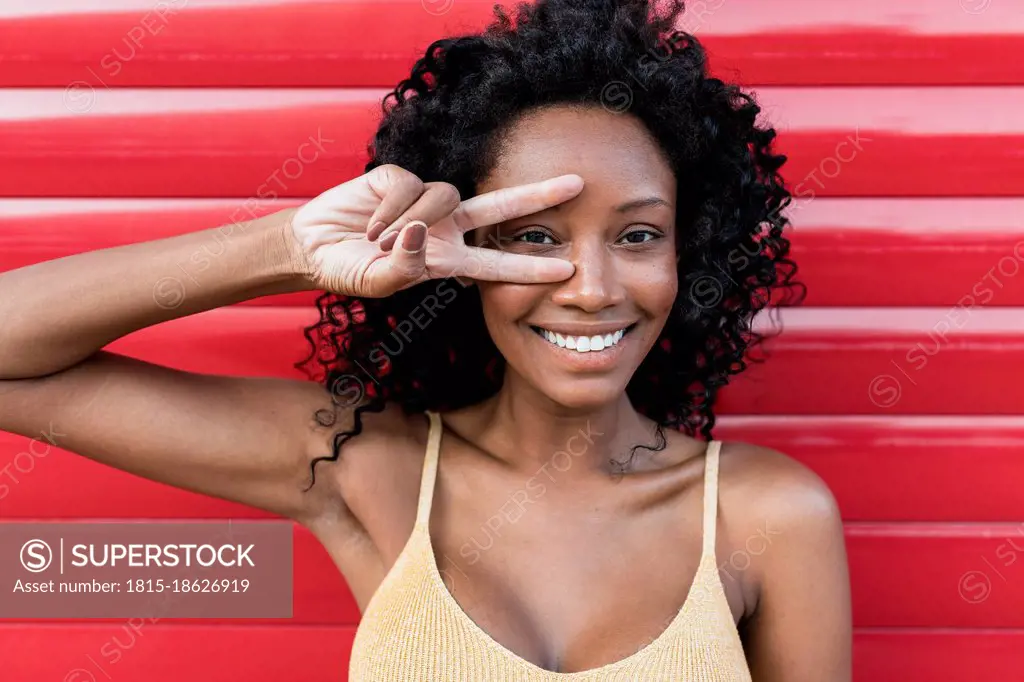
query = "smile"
{"x": 583, "y": 344}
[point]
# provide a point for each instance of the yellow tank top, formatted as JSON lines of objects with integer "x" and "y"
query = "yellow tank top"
{"x": 414, "y": 630}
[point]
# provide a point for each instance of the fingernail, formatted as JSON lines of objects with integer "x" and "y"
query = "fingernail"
{"x": 374, "y": 230}
{"x": 574, "y": 181}
{"x": 568, "y": 269}
{"x": 415, "y": 237}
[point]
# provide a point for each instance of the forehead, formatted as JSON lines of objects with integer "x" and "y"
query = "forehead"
{"x": 612, "y": 152}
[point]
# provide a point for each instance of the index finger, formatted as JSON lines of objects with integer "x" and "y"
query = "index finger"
{"x": 513, "y": 202}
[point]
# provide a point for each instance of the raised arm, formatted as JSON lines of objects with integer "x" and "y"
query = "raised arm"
{"x": 249, "y": 440}
{"x": 244, "y": 439}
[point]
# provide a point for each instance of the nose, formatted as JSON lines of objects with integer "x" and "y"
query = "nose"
{"x": 595, "y": 285}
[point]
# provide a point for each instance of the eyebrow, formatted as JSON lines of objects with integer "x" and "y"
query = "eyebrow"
{"x": 641, "y": 203}
{"x": 621, "y": 208}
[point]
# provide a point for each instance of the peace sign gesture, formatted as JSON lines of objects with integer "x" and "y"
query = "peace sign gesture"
{"x": 387, "y": 230}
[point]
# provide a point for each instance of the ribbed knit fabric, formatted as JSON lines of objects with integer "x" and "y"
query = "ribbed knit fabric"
{"x": 413, "y": 629}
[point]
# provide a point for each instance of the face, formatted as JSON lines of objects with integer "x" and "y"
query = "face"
{"x": 579, "y": 341}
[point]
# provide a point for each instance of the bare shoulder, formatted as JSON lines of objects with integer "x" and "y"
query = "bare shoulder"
{"x": 756, "y": 480}
{"x": 775, "y": 511}
{"x": 785, "y": 528}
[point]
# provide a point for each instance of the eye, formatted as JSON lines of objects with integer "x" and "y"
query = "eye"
{"x": 640, "y": 236}
{"x": 533, "y": 237}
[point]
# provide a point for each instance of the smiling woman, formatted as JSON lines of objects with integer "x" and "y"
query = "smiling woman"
{"x": 676, "y": 241}
{"x": 531, "y": 300}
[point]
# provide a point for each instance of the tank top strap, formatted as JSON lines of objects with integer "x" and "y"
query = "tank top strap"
{"x": 429, "y": 474}
{"x": 711, "y": 497}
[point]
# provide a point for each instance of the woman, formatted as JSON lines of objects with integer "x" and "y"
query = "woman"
{"x": 531, "y": 301}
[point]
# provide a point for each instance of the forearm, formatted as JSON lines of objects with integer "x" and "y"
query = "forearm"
{"x": 56, "y": 313}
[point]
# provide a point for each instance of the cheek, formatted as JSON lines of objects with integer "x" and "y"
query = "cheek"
{"x": 505, "y": 303}
{"x": 653, "y": 285}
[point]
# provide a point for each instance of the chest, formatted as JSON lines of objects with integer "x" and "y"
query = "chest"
{"x": 558, "y": 573}
{"x": 415, "y": 629}
{"x": 566, "y": 582}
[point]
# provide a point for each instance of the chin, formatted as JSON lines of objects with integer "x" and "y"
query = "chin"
{"x": 584, "y": 395}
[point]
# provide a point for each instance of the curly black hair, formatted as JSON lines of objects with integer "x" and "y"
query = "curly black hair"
{"x": 427, "y": 347}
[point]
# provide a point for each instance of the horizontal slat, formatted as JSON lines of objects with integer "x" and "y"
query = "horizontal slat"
{"x": 834, "y": 361}
{"x": 160, "y": 652}
{"x": 909, "y": 252}
{"x": 36, "y": 230}
{"x": 901, "y": 242}
{"x": 803, "y": 42}
{"x": 876, "y": 360}
{"x": 902, "y": 575}
{"x": 955, "y": 469}
{"x": 374, "y": 42}
{"x": 204, "y": 143}
{"x": 936, "y": 575}
{"x": 889, "y": 141}
{"x": 224, "y": 143}
{"x": 321, "y": 654}
{"x": 253, "y": 341}
{"x": 885, "y": 468}
{"x": 936, "y": 655}
{"x": 41, "y": 481}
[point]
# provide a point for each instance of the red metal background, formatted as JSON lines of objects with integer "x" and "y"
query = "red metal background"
{"x": 135, "y": 120}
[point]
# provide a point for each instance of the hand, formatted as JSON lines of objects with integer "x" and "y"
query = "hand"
{"x": 387, "y": 230}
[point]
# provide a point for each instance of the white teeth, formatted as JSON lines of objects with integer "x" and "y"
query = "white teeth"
{"x": 583, "y": 344}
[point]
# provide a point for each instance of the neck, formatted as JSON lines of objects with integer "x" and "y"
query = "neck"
{"x": 533, "y": 433}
